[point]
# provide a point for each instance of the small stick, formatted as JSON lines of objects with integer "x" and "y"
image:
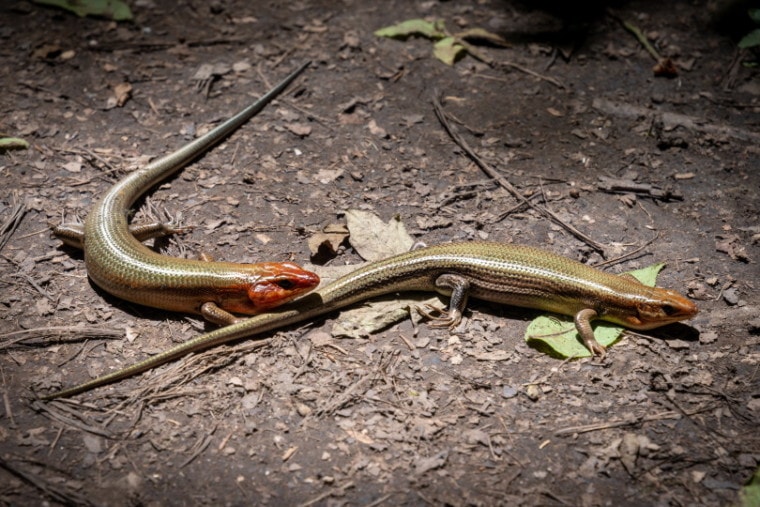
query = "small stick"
{"x": 79, "y": 331}
{"x": 459, "y": 140}
{"x": 642, "y": 39}
{"x": 14, "y": 219}
{"x": 629, "y": 254}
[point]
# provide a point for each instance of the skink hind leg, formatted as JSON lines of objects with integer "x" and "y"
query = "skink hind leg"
{"x": 459, "y": 288}
{"x": 73, "y": 234}
{"x": 145, "y": 232}
{"x": 583, "y": 324}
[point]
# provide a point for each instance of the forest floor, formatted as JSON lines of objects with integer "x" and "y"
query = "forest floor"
{"x": 569, "y": 112}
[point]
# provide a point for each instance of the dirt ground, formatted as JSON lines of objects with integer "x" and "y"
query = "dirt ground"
{"x": 411, "y": 415}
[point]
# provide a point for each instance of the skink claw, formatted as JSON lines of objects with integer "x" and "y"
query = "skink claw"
{"x": 440, "y": 317}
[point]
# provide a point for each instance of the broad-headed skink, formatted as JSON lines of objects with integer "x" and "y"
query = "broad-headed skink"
{"x": 503, "y": 273}
{"x": 119, "y": 263}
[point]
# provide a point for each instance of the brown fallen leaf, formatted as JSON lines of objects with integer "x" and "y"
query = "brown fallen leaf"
{"x": 326, "y": 244}
{"x": 299, "y": 129}
{"x": 377, "y": 130}
{"x": 374, "y": 239}
{"x": 731, "y": 245}
{"x": 422, "y": 465}
{"x": 122, "y": 92}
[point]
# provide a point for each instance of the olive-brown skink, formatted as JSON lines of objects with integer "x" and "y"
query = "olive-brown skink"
{"x": 118, "y": 262}
{"x": 502, "y": 273}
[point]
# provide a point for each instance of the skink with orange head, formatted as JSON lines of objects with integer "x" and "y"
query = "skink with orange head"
{"x": 119, "y": 263}
{"x": 509, "y": 274}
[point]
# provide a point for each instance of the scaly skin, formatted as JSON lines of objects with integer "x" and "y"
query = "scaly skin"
{"x": 515, "y": 275}
{"x": 119, "y": 263}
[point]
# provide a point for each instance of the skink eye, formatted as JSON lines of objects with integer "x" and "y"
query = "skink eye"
{"x": 285, "y": 284}
{"x": 669, "y": 310}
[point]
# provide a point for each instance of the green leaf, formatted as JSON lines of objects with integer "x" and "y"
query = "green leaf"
{"x": 648, "y": 275}
{"x": 557, "y": 335}
{"x": 432, "y": 30}
{"x": 13, "y": 143}
{"x": 754, "y": 14}
{"x": 749, "y": 495}
{"x": 751, "y": 40}
{"x": 448, "y": 50}
{"x": 111, "y": 9}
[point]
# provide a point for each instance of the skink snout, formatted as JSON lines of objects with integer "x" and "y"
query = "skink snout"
{"x": 665, "y": 306}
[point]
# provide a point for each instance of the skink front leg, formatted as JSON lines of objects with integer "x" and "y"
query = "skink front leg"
{"x": 210, "y": 310}
{"x": 214, "y": 313}
{"x": 583, "y": 324}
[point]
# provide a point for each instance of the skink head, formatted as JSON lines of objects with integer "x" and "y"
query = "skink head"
{"x": 660, "y": 307}
{"x": 280, "y": 282}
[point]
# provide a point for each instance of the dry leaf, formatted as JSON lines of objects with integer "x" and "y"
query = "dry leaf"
{"x": 299, "y": 129}
{"x": 376, "y": 130}
{"x": 374, "y": 239}
{"x": 326, "y": 243}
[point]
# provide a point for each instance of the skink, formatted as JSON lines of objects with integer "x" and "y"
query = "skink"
{"x": 502, "y": 273}
{"x": 119, "y": 263}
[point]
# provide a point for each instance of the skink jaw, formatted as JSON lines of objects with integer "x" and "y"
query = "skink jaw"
{"x": 664, "y": 307}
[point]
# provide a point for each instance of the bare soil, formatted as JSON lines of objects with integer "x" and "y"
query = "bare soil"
{"x": 410, "y": 415}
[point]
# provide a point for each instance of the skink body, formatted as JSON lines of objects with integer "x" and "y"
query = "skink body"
{"x": 502, "y": 273}
{"x": 118, "y": 262}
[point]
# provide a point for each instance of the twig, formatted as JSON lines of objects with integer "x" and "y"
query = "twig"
{"x": 459, "y": 140}
{"x": 672, "y": 120}
{"x": 56, "y": 414}
{"x": 309, "y": 114}
{"x": 192, "y": 367}
{"x": 670, "y": 414}
{"x": 9, "y": 409}
{"x": 348, "y": 394}
{"x": 14, "y": 219}
{"x": 339, "y": 491}
{"x": 629, "y": 254}
{"x": 284, "y": 100}
{"x": 92, "y": 155}
{"x": 664, "y": 67}
{"x": 618, "y": 186}
{"x": 200, "y": 446}
{"x": 495, "y": 64}
{"x": 729, "y": 78}
{"x": 548, "y": 79}
{"x": 80, "y": 332}
{"x": 53, "y": 491}
{"x": 35, "y": 285}
{"x": 554, "y": 496}
{"x": 53, "y": 92}
{"x": 514, "y": 209}
{"x": 642, "y": 39}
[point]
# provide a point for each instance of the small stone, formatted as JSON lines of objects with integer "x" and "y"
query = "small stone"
{"x": 731, "y": 296}
{"x": 508, "y": 392}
